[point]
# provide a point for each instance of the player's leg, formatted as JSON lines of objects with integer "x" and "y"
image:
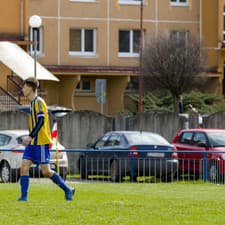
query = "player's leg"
{"x": 47, "y": 172}
{"x": 24, "y": 179}
{"x": 44, "y": 159}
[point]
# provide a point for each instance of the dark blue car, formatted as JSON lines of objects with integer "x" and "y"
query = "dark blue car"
{"x": 129, "y": 153}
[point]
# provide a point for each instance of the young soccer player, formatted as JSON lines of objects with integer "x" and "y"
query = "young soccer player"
{"x": 38, "y": 141}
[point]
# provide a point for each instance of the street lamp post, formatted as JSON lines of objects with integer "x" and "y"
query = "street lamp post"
{"x": 35, "y": 23}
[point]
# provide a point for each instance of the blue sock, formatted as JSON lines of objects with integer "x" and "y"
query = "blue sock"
{"x": 60, "y": 182}
{"x": 24, "y": 185}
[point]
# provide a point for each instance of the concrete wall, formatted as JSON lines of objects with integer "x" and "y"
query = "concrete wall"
{"x": 13, "y": 120}
{"x": 216, "y": 120}
{"x": 165, "y": 123}
{"x": 79, "y": 128}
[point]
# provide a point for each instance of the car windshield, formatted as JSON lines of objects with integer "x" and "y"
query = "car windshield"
{"x": 21, "y": 139}
{"x": 146, "y": 138}
{"x": 4, "y": 139}
{"x": 217, "y": 139}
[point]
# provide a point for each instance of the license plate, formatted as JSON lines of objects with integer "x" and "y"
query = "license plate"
{"x": 152, "y": 154}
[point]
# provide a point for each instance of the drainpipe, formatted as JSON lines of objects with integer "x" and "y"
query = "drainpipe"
{"x": 22, "y": 17}
{"x": 200, "y": 13}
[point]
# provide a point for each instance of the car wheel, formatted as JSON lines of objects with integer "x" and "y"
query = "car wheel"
{"x": 5, "y": 172}
{"x": 213, "y": 174}
{"x": 114, "y": 171}
{"x": 7, "y": 175}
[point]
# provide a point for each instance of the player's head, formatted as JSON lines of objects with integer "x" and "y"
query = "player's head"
{"x": 31, "y": 82}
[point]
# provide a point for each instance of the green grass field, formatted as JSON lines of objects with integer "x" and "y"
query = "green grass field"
{"x": 115, "y": 204}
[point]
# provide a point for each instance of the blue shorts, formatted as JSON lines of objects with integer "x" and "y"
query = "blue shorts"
{"x": 38, "y": 154}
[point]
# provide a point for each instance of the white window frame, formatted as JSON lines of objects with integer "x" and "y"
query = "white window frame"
{"x": 83, "y": 52}
{"x": 178, "y": 33}
{"x": 178, "y": 3}
{"x": 40, "y": 41}
{"x": 131, "y": 46}
{"x": 130, "y": 2}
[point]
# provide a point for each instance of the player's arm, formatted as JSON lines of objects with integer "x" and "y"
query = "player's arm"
{"x": 34, "y": 132}
{"x": 38, "y": 126}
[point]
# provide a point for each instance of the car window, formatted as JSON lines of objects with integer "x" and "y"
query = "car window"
{"x": 146, "y": 138}
{"x": 113, "y": 140}
{"x": 217, "y": 139}
{"x": 186, "y": 138}
{"x": 4, "y": 139}
{"x": 199, "y": 137}
{"x": 101, "y": 142}
{"x": 20, "y": 139}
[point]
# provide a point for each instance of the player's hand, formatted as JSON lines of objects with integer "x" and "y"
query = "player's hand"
{"x": 27, "y": 140}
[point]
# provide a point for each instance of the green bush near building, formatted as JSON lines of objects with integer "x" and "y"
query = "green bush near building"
{"x": 205, "y": 103}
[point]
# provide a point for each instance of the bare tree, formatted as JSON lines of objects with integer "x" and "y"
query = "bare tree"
{"x": 176, "y": 65}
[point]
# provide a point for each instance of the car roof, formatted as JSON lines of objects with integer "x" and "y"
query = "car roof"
{"x": 14, "y": 132}
{"x": 57, "y": 111}
{"x": 130, "y": 132}
{"x": 203, "y": 130}
{"x": 51, "y": 108}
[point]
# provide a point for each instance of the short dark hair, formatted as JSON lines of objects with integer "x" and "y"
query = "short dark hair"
{"x": 31, "y": 82}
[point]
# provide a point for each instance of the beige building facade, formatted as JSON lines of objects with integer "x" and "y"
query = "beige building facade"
{"x": 84, "y": 40}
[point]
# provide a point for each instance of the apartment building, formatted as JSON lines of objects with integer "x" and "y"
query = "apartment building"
{"x": 84, "y": 40}
{"x": 13, "y": 28}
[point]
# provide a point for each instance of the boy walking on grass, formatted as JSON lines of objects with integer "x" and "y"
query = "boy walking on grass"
{"x": 38, "y": 141}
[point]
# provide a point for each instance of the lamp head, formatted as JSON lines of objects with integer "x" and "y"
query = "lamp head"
{"x": 35, "y": 21}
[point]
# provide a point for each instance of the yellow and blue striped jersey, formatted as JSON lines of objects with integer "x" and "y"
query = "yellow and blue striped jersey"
{"x": 38, "y": 111}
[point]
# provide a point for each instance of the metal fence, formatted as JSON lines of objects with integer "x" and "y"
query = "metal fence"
{"x": 149, "y": 166}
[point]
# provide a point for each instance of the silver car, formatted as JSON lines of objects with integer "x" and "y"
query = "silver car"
{"x": 11, "y": 152}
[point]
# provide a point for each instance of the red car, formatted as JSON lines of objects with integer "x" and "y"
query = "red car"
{"x": 194, "y": 140}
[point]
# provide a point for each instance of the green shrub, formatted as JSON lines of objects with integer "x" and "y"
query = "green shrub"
{"x": 203, "y": 102}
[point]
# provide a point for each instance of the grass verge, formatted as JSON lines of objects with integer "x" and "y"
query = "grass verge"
{"x": 119, "y": 204}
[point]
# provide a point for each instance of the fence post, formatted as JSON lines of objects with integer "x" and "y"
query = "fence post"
{"x": 205, "y": 167}
{"x": 132, "y": 168}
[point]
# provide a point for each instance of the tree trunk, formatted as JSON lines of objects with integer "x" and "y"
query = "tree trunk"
{"x": 176, "y": 107}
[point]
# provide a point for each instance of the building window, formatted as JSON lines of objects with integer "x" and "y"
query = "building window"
{"x": 82, "y": 42}
{"x": 83, "y": 86}
{"x": 129, "y": 43}
{"x": 179, "y": 2}
{"x": 134, "y": 2}
{"x": 39, "y": 33}
{"x": 179, "y": 35}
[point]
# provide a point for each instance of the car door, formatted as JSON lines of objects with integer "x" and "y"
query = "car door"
{"x": 94, "y": 157}
{"x": 4, "y": 144}
{"x": 184, "y": 144}
{"x": 199, "y": 143}
{"x": 191, "y": 142}
{"x": 113, "y": 149}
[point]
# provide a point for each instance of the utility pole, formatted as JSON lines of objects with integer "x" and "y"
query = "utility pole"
{"x": 140, "y": 105}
